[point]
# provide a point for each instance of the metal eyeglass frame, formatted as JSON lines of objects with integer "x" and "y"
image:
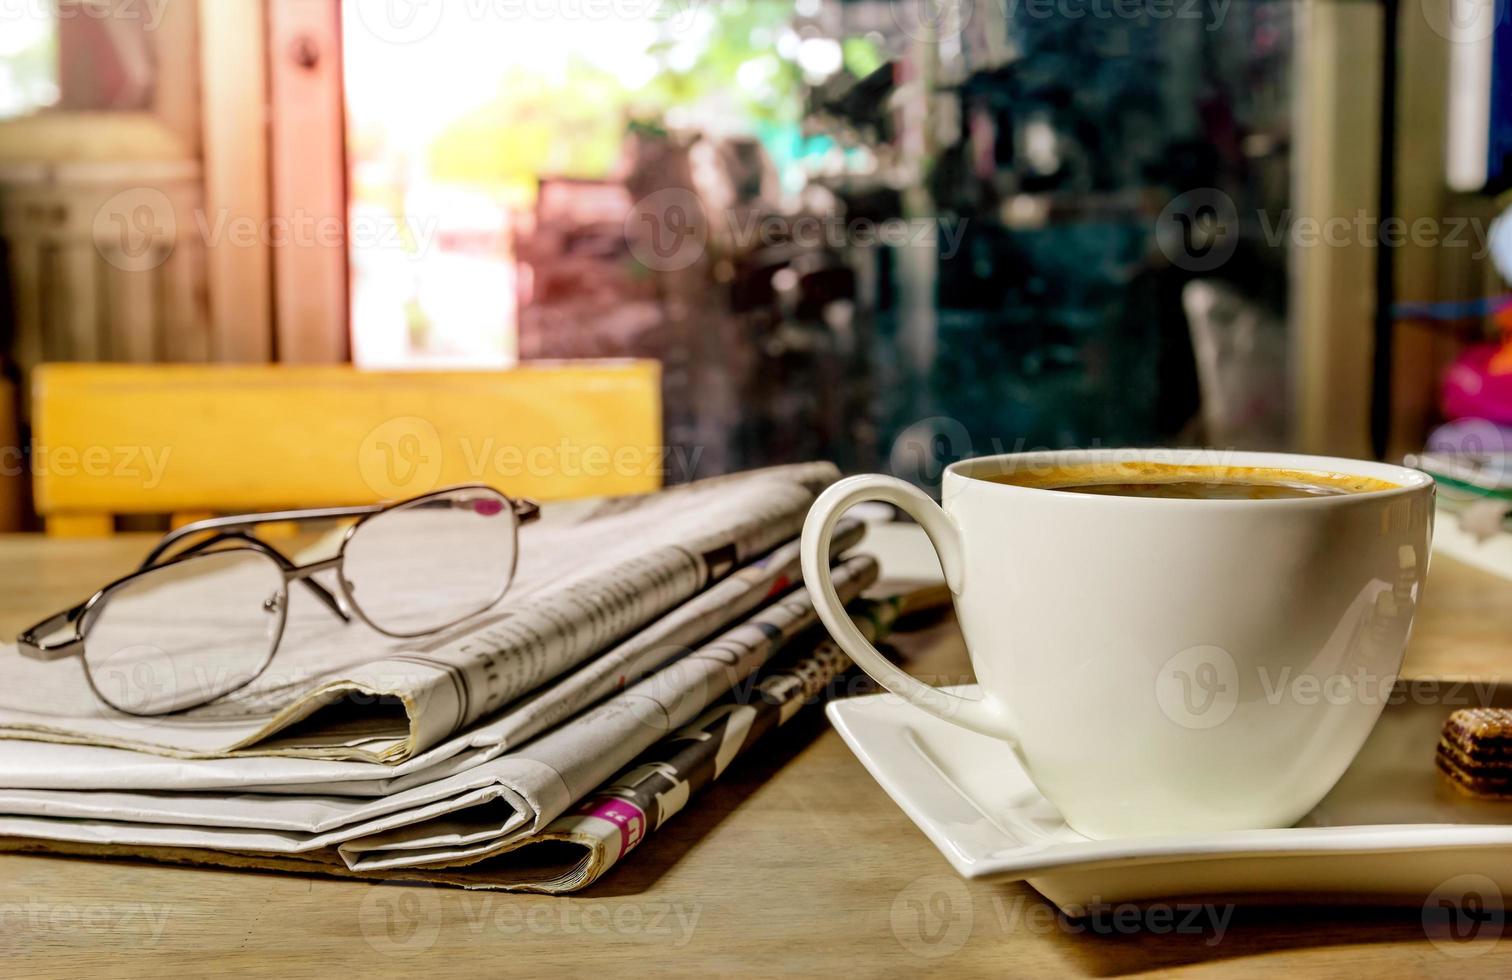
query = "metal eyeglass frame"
{"x": 34, "y": 643}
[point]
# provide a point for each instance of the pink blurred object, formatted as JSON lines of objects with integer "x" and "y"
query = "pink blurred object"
{"x": 1479, "y": 384}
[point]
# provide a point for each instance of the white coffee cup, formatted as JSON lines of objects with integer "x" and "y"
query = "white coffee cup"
{"x": 1160, "y": 665}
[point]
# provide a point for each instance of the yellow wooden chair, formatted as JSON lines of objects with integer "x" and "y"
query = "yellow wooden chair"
{"x": 189, "y": 440}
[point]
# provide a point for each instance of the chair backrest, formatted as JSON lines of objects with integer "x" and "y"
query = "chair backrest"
{"x": 192, "y": 439}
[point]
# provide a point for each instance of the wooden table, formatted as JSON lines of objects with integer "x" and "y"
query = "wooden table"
{"x": 796, "y": 862}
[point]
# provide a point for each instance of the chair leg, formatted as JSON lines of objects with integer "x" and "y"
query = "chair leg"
{"x": 80, "y": 525}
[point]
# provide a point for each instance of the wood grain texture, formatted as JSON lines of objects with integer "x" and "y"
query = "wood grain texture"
{"x": 234, "y": 132}
{"x": 796, "y": 862}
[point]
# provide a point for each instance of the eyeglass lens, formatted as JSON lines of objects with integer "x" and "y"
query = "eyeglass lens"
{"x": 185, "y": 633}
{"x": 432, "y": 562}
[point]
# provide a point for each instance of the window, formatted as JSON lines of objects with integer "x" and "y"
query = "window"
{"x": 81, "y": 55}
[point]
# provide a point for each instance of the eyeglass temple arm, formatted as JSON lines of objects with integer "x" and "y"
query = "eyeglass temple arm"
{"x": 525, "y": 511}
{"x": 321, "y": 592}
{"x": 239, "y": 521}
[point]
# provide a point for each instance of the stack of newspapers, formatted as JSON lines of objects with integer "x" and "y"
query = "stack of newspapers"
{"x": 645, "y": 643}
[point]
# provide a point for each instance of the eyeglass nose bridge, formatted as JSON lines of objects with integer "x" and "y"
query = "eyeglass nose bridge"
{"x": 344, "y": 607}
{"x": 297, "y": 572}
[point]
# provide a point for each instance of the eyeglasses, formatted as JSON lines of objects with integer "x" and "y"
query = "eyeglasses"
{"x": 197, "y": 622}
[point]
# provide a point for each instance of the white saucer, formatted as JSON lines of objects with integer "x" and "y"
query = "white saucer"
{"x": 1391, "y": 831}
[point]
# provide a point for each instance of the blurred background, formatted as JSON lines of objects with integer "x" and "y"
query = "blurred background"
{"x": 890, "y": 234}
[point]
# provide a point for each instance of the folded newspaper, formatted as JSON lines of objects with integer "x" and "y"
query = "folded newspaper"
{"x": 588, "y": 577}
{"x": 635, "y": 616}
{"x": 581, "y": 846}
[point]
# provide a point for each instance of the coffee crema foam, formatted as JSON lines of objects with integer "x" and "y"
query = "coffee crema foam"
{"x": 1088, "y": 477}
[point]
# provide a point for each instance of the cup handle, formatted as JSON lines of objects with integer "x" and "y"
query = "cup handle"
{"x": 985, "y": 716}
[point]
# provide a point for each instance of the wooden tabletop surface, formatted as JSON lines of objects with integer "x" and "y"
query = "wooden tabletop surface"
{"x": 794, "y": 862}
